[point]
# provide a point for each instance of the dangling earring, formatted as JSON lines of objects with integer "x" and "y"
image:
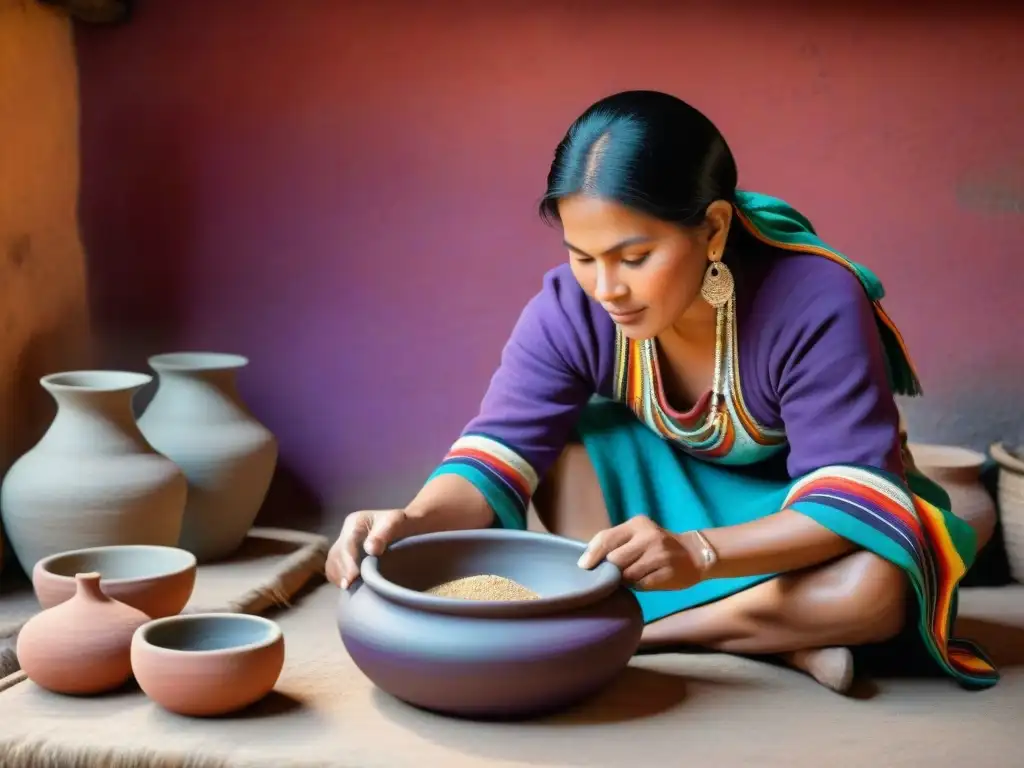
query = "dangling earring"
{"x": 718, "y": 286}
{"x": 718, "y": 290}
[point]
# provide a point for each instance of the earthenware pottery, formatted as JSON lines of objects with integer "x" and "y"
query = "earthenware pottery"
{"x": 489, "y": 659}
{"x": 92, "y": 479}
{"x": 1011, "y": 505}
{"x": 83, "y": 645}
{"x": 206, "y": 664}
{"x": 198, "y": 419}
{"x": 958, "y": 471}
{"x": 156, "y": 580}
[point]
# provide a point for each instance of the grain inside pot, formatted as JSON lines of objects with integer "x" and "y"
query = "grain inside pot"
{"x": 485, "y": 587}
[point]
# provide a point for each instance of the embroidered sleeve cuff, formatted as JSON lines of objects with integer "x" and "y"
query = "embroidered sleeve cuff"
{"x": 504, "y": 477}
{"x": 870, "y": 507}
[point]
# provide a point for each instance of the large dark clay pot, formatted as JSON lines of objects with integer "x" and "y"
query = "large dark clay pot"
{"x": 489, "y": 659}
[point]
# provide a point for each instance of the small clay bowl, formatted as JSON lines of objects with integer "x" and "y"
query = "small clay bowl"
{"x": 489, "y": 659}
{"x": 156, "y": 580}
{"x": 207, "y": 664}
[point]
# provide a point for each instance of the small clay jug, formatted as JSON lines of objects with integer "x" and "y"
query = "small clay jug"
{"x": 83, "y": 645}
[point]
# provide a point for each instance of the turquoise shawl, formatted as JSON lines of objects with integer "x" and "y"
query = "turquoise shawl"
{"x": 778, "y": 224}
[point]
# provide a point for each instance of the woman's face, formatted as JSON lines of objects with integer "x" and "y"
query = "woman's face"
{"x": 645, "y": 272}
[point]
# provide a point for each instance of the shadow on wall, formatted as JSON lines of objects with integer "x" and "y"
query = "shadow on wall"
{"x": 159, "y": 243}
{"x": 291, "y": 503}
{"x": 163, "y": 166}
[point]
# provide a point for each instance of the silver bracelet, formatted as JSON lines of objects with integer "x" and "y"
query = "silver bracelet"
{"x": 708, "y": 556}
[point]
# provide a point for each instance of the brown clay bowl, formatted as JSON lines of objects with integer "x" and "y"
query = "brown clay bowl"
{"x": 206, "y": 664}
{"x": 156, "y": 580}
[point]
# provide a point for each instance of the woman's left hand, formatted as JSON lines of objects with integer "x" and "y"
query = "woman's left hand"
{"x": 649, "y": 557}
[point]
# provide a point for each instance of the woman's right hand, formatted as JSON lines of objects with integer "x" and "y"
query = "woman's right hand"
{"x": 367, "y": 532}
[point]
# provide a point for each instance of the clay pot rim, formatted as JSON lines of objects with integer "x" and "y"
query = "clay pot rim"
{"x": 1007, "y": 458}
{"x": 945, "y": 456}
{"x": 190, "y": 563}
{"x": 184, "y": 361}
{"x": 607, "y": 578}
{"x": 141, "y": 640}
{"x": 95, "y": 380}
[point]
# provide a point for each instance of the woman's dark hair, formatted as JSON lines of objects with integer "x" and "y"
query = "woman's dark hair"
{"x": 646, "y": 150}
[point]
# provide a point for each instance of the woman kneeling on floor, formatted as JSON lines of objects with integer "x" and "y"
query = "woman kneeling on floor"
{"x": 705, "y": 393}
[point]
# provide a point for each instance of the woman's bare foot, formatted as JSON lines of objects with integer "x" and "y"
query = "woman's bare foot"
{"x": 832, "y": 667}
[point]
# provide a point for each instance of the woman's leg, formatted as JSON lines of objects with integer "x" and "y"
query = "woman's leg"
{"x": 569, "y": 501}
{"x": 805, "y": 616}
{"x": 857, "y": 599}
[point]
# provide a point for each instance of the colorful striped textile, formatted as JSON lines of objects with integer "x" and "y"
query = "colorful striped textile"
{"x": 638, "y": 385}
{"x": 776, "y": 223}
{"x": 505, "y": 478}
{"x": 877, "y": 511}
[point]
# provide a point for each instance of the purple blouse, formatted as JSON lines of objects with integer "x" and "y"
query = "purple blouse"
{"x": 809, "y": 356}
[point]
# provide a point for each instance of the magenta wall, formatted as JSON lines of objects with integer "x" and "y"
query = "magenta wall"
{"x": 345, "y": 192}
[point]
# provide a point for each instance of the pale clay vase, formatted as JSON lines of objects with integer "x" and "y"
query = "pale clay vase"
{"x": 198, "y": 419}
{"x": 92, "y": 479}
{"x": 958, "y": 471}
{"x": 82, "y": 646}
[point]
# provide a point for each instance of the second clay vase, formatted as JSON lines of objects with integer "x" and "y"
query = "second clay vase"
{"x": 82, "y": 646}
{"x": 958, "y": 471}
{"x": 198, "y": 419}
{"x": 92, "y": 479}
